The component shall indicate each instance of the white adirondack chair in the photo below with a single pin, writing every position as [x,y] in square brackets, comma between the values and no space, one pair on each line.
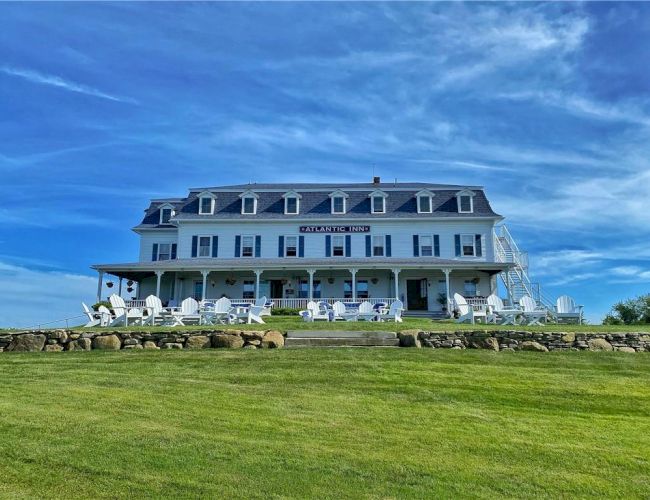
[497,312]
[366,312]
[339,310]
[222,312]
[265,304]
[468,312]
[533,314]
[122,315]
[394,312]
[106,316]
[158,314]
[317,311]
[566,309]
[98,318]
[251,315]
[187,313]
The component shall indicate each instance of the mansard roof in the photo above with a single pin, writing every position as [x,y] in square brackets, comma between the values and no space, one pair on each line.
[315,203]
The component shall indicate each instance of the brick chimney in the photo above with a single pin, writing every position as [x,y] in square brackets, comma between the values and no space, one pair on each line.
[376,180]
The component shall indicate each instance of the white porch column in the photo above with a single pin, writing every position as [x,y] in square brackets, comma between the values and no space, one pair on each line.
[447,272]
[119,288]
[396,274]
[353,272]
[158,280]
[205,283]
[311,283]
[100,282]
[258,273]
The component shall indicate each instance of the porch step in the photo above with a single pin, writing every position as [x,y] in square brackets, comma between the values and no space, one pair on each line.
[343,338]
[341,334]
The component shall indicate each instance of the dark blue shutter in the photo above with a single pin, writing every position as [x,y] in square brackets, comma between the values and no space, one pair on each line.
[280,246]
[301,246]
[457,241]
[258,246]
[195,245]
[368,246]
[416,245]
[388,246]
[237,245]
[215,246]
[436,245]
[154,252]
[173,255]
[348,245]
[479,250]
[328,245]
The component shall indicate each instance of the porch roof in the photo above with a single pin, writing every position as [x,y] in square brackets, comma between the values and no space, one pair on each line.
[139,270]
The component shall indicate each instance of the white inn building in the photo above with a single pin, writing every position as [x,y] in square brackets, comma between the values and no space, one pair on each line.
[418,242]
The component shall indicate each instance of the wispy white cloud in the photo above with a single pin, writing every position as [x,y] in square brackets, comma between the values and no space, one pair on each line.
[56,81]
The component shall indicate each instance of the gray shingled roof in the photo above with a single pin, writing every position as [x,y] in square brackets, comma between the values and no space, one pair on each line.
[315,202]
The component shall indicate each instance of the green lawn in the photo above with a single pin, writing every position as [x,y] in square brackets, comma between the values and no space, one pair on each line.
[324,423]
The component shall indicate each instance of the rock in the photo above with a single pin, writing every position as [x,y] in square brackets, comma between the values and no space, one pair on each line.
[171,345]
[599,345]
[53,348]
[227,340]
[625,349]
[107,342]
[531,345]
[27,342]
[250,346]
[485,343]
[79,345]
[569,337]
[133,346]
[130,341]
[197,342]
[409,338]
[150,345]
[255,342]
[273,340]
[60,335]
[252,335]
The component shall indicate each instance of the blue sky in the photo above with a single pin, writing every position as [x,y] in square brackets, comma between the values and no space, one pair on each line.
[103,106]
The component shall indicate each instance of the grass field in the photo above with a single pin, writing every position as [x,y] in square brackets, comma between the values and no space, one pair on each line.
[325,423]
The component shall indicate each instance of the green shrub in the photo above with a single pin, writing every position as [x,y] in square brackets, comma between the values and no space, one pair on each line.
[284,311]
[104,303]
[630,312]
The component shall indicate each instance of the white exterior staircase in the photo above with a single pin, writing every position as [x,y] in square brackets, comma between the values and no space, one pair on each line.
[516,280]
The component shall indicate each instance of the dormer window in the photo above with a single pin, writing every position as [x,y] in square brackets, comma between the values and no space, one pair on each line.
[424,201]
[166,214]
[206,203]
[249,203]
[291,203]
[338,202]
[378,202]
[465,201]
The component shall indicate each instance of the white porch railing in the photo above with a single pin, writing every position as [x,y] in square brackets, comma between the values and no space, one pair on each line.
[301,303]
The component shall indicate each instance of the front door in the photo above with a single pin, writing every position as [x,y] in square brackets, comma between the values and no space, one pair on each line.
[416,295]
[276,289]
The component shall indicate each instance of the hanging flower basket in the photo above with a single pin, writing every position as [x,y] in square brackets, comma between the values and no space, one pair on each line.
[109,284]
[129,283]
[130,289]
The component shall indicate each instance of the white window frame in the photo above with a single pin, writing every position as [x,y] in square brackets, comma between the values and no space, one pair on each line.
[333,210]
[462,245]
[373,209]
[201,198]
[171,213]
[420,239]
[243,205]
[241,247]
[198,246]
[383,245]
[462,194]
[286,245]
[420,211]
[334,236]
[169,251]
[286,205]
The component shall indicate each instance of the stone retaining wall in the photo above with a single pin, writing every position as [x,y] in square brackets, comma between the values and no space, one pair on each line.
[67,340]
[527,341]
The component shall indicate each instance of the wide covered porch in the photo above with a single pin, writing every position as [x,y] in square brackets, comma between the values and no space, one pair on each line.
[422,284]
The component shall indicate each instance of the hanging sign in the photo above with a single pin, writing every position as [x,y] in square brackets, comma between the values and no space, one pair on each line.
[334,229]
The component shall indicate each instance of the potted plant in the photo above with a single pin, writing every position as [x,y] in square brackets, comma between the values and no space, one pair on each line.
[442,300]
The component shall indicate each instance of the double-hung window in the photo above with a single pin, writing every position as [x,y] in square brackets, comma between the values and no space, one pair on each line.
[465,204]
[468,245]
[165,215]
[424,204]
[378,204]
[291,205]
[378,245]
[338,205]
[338,245]
[164,251]
[206,205]
[469,290]
[205,246]
[247,246]
[249,204]
[426,245]
[290,246]
[249,289]
[303,291]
